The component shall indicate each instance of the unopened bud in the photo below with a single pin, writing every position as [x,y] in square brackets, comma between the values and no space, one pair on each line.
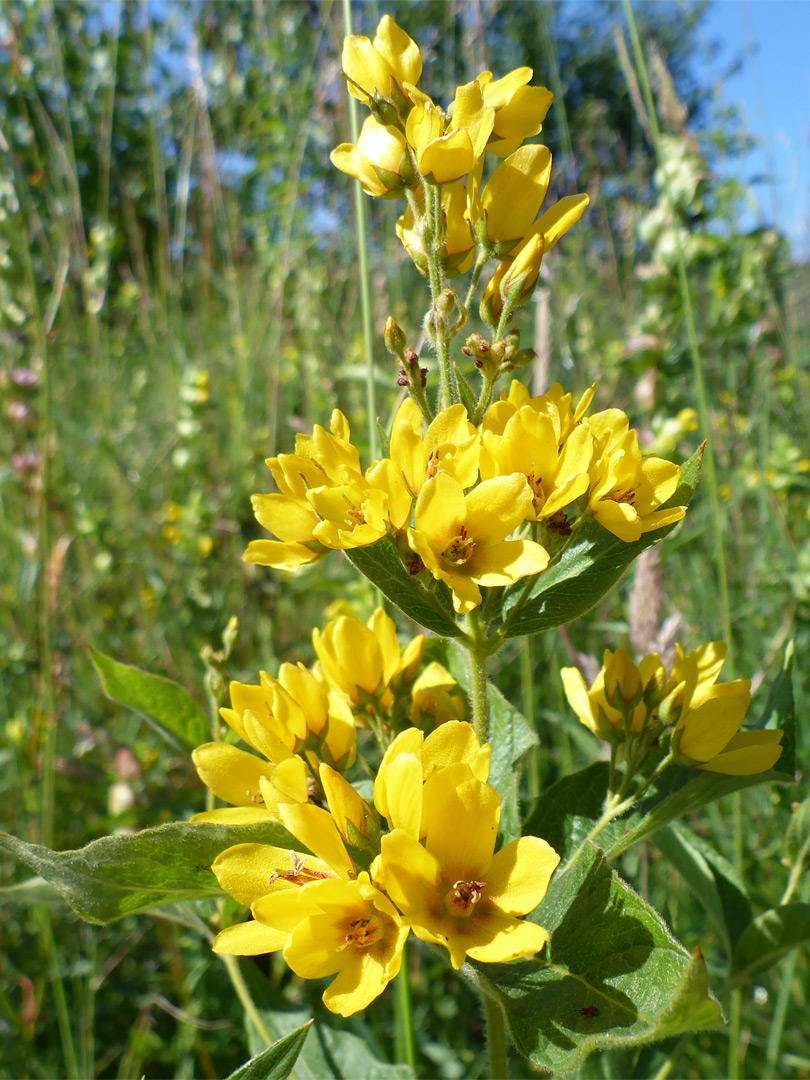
[384,110]
[394,337]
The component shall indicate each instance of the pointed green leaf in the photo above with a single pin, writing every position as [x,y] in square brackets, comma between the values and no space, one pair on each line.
[165,704]
[466,392]
[588,567]
[768,938]
[428,606]
[780,711]
[119,875]
[612,975]
[331,1052]
[277,1061]
[711,877]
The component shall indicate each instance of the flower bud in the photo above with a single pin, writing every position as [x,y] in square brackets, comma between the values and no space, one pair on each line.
[394,338]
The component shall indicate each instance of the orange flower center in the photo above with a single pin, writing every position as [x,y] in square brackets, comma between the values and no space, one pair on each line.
[360,933]
[463,897]
[459,550]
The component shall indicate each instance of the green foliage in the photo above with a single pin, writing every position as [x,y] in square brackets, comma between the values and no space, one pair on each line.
[611,975]
[164,703]
[713,879]
[119,875]
[429,607]
[768,938]
[277,1061]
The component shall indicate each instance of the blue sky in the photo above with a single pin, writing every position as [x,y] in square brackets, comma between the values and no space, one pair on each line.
[772,90]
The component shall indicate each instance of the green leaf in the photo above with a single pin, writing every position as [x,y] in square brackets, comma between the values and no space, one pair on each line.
[166,705]
[780,711]
[333,1051]
[768,938]
[591,564]
[430,607]
[797,838]
[712,879]
[466,392]
[511,737]
[691,794]
[566,812]
[277,1061]
[612,974]
[119,875]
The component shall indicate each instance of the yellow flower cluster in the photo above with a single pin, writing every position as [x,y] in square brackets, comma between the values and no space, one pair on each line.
[451,494]
[702,716]
[411,147]
[301,719]
[347,909]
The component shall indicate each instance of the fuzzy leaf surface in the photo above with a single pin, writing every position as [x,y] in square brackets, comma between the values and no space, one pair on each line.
[277,1061]
[592,563]
[165,704]
[381,564]
[119,875]
[612,975]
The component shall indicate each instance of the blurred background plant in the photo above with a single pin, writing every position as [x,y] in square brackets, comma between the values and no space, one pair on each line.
[179,295]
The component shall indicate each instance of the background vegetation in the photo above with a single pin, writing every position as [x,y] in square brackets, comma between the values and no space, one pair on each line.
[179,294]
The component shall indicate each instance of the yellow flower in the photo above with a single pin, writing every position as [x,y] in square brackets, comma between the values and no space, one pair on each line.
[455,891]
[345,928]
[321,459]
[458,245]
[616,703]
[446,149]
[627,490]
[382,66]
[519,109]
[435,698]
[451,444]
[710,715]
[356,821]
[462,538]
[412,760]
[555,403]
[516,279]
[297,713]
[380,160]
[505,211]
[529,445]
[366,661]
[255,789]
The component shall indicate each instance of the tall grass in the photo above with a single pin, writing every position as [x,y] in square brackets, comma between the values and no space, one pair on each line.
[166,374]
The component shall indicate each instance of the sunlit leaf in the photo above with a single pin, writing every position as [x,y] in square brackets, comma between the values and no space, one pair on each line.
[611,975]
[166,705]
[119,875]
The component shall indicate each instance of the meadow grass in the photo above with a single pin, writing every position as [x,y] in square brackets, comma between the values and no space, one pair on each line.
[151,406]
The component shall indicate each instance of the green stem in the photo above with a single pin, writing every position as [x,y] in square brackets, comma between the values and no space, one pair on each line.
[780,1012]
[477,662]
[362,254]
[48,945]
[496,1039]
[242,992]
[405,1043]
[480,263]
[437,323]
